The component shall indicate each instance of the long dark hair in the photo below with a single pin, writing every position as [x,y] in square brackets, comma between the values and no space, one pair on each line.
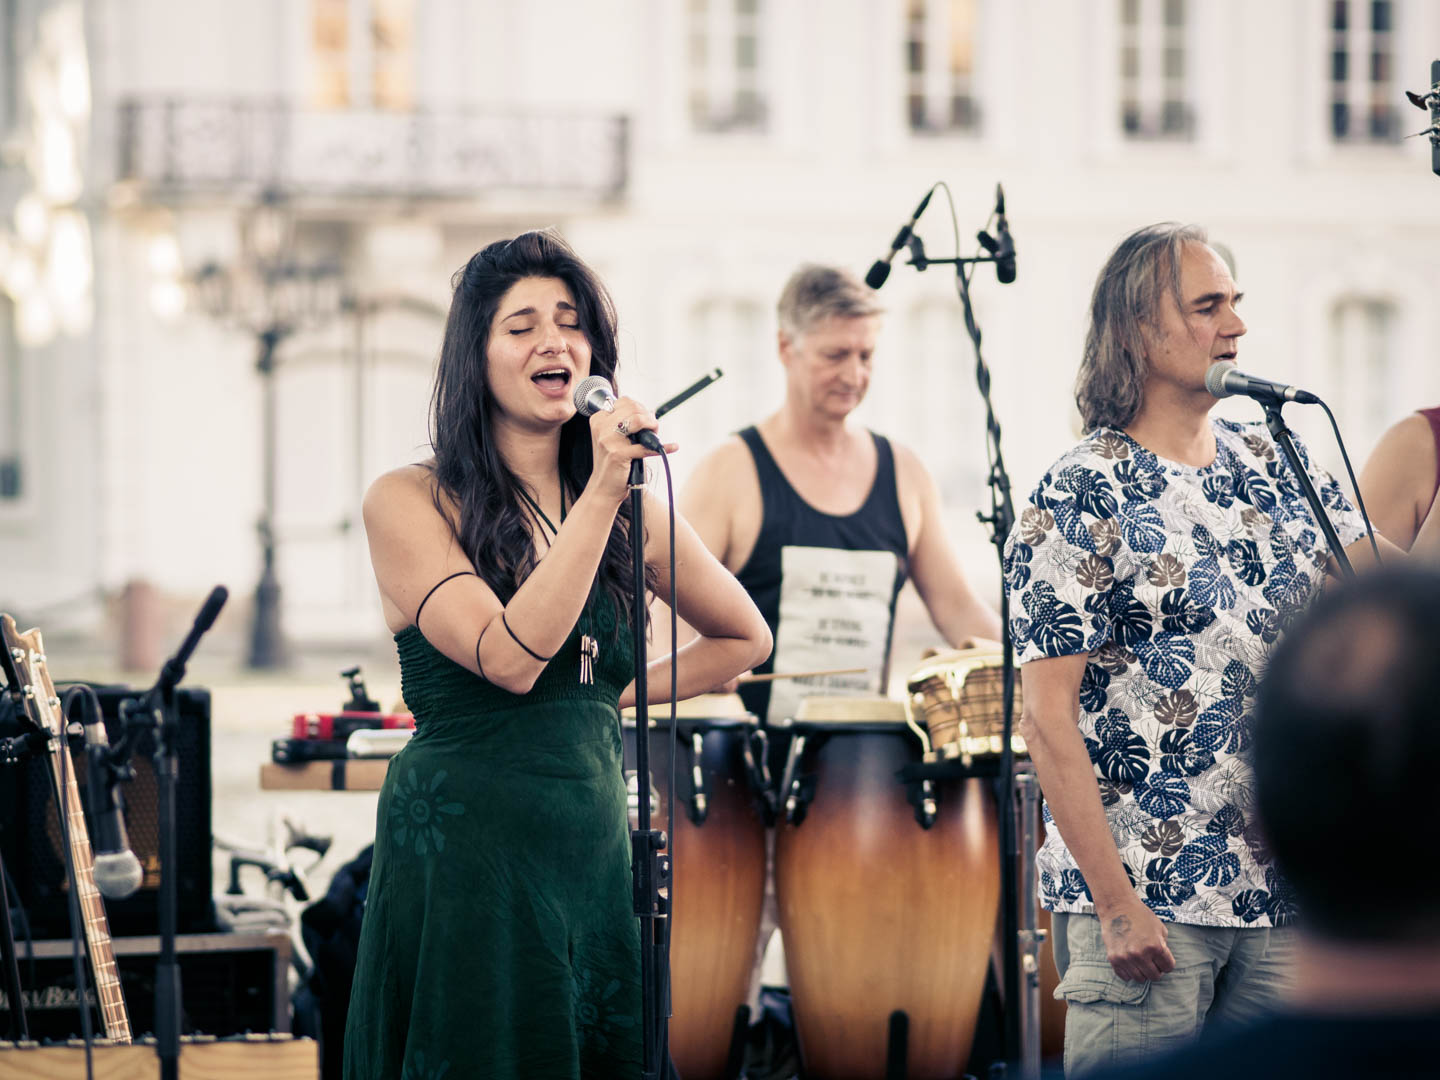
[494,525]
[1128,293]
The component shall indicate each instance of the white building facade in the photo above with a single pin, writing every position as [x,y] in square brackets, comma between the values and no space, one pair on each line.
[694,151]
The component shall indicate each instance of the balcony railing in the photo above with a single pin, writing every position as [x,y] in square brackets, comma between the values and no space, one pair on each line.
[179,146]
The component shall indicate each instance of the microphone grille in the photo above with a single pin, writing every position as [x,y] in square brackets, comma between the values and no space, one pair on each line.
[1215,378]
[117,874]
[585,404]
[877,274]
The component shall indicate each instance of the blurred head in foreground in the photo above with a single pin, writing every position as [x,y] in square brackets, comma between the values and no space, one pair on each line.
[1347,748]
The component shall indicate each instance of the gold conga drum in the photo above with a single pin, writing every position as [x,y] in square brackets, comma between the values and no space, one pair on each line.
[881,912]
[959,699]
[719,871]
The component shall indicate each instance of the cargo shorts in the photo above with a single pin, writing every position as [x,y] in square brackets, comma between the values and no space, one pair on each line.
[1222,975]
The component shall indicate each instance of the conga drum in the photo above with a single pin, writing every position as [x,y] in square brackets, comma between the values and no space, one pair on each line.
[958,697]
[887,899]
[718,869]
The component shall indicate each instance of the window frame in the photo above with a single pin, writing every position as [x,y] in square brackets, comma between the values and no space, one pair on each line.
[708,82]
[1152,36]
[1357,91]
[937,81]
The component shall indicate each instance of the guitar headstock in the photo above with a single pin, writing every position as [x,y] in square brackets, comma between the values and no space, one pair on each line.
[23,664]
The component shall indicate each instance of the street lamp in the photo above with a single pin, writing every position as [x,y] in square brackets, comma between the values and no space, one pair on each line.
[272,296]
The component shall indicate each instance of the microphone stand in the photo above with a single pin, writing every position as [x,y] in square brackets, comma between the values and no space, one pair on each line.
[1285,439]
[157,710]
[648,868]
[1020,1047]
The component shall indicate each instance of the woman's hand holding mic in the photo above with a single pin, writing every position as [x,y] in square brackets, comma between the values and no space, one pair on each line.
[621,431]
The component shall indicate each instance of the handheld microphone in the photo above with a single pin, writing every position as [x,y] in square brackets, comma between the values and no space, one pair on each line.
[117,871]
[1223,380]
[880,270]
[595,394]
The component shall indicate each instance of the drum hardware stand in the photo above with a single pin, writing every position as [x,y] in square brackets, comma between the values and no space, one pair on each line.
[699,797]
[926,807]
[792,784]
[1000,520]
[757,765]
[157,711]
[1031,937]
[897,1046]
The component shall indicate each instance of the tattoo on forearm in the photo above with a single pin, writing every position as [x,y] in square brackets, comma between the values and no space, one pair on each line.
[1120,925]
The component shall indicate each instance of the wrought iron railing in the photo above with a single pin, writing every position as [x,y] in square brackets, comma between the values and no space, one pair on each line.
[187,145]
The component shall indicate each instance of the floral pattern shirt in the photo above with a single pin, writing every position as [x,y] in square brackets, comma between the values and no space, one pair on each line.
[1176,581]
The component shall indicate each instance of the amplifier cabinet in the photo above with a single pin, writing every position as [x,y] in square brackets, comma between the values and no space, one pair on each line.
[229,984]
[30,829]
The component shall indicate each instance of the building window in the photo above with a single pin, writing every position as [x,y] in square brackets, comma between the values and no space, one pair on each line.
[1362,363]
[370,69]
[940,65]
[10,475]
[1154,102]
[727,59]
[1362,71]
[392,40]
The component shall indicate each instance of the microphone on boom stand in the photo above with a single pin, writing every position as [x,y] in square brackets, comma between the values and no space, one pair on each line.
[880,270]
[1002,244]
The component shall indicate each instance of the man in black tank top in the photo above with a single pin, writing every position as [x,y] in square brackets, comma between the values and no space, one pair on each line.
[823,521]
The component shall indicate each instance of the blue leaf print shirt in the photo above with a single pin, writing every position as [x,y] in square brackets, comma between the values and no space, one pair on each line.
[1177,582]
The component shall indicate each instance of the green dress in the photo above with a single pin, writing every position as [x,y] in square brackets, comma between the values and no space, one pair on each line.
[498,939]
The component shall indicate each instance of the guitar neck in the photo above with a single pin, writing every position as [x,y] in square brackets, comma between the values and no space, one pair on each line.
[92,910]
[23,668]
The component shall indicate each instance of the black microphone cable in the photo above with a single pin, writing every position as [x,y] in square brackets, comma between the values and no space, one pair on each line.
[1354,484]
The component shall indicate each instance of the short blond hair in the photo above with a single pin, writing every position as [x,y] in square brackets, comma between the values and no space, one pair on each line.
[816,292]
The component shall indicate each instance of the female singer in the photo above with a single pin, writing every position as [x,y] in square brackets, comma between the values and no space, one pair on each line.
[498,938]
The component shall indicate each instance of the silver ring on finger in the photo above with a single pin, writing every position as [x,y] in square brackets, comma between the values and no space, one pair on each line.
[623,427]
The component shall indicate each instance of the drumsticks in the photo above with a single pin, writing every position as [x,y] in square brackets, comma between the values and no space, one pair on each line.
[772,676]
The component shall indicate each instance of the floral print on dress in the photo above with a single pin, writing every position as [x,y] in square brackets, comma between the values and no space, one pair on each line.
[601,1011]
[418,812]
[417,1069]
[1176,582]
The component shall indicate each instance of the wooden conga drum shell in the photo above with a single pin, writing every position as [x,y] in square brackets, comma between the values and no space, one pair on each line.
[880,915]
[719,889]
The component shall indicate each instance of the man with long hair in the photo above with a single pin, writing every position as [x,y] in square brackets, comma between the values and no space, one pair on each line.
[1155,568]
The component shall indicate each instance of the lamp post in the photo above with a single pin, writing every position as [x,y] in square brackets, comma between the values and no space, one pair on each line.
[271,295]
